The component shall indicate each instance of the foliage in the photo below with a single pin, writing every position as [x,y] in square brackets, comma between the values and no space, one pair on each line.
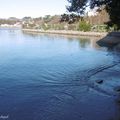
[111,6]
[8,21]
[70,18]
[89,23]
[84,26]
[77,6]
[47,18]
[99,28]
[52,27]
[112,28]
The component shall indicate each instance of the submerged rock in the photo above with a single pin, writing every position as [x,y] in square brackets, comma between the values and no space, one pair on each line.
[99,81]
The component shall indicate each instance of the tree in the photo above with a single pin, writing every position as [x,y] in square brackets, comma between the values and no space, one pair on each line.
[111,6]
[72,18]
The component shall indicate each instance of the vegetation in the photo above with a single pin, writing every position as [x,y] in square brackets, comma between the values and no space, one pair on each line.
[76,20]
[68,22]
[10,21]
[64,22]
[111,6]
[72,18]
[107,17]
[84,26]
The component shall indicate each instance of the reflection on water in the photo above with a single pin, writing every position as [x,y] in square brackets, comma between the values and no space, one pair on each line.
[45,77]
[84,42]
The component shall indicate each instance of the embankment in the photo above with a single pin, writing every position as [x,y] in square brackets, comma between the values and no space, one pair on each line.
[67,32]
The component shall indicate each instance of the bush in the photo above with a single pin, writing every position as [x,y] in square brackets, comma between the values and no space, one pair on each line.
[99,28]
[84,26]
[45,26]
[113,28]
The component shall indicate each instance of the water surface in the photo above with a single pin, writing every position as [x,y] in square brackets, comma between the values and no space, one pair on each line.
[46,77]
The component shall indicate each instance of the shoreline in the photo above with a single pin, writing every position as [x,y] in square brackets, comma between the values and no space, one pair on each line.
[67,32]
[16,28]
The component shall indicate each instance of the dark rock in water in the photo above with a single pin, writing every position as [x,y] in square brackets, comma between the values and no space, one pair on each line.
[117,47]
[111,40]
[118,100]
[117,89]
[99,81]
[117,34]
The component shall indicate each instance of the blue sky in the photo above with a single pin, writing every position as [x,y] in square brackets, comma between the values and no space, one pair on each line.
[33,8]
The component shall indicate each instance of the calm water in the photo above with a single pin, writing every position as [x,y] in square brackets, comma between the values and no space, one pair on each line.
[44,77]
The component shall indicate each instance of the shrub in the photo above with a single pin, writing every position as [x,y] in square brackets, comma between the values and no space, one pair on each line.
[99,28]
[84,26]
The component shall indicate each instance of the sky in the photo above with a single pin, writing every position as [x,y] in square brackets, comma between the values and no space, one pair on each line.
[33,8]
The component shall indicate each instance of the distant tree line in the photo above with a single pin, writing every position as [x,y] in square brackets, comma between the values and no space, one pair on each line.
[9,21]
